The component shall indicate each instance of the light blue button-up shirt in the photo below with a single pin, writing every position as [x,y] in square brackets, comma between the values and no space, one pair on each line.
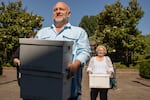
[81,48]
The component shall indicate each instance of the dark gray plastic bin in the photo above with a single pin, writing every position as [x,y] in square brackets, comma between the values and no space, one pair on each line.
[43,69]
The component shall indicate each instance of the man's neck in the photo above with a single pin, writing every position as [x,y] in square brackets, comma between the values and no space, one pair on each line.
[59,26]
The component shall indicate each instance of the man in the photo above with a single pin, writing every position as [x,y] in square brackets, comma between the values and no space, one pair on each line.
[63,30]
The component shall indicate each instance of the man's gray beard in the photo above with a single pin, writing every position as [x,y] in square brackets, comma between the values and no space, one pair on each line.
[62,21]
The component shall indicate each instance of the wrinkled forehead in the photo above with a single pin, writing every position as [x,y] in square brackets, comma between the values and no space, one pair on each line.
[100,48]
[61,5]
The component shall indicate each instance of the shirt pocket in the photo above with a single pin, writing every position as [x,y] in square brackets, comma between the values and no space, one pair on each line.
[70,38]
[44,37]
[74,47]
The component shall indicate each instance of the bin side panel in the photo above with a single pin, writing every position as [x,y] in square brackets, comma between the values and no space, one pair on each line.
[43,58]
[43,69]
[44,88]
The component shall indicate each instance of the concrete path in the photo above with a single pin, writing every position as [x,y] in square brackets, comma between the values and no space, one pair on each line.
[130,86]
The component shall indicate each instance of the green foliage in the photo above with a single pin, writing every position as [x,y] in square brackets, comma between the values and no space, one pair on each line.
[1,68]
[15,22]
[89,23]
[145,69]
[144,60]
[119,65]
[146,56]
[147,42]
[116,28]
[117,24]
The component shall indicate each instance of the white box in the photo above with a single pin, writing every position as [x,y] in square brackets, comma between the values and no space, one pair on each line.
[99,81]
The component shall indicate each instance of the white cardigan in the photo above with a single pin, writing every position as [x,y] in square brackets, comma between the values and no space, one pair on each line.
[100,67]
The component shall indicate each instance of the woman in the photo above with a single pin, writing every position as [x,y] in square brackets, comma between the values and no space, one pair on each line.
[100,64]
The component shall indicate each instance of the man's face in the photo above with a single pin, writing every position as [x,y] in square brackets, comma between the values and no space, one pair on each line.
[61,13]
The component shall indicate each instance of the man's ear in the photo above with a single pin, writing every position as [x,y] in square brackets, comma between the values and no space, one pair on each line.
[69,14]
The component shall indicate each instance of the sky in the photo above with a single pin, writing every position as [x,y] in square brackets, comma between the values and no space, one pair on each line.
[80,8]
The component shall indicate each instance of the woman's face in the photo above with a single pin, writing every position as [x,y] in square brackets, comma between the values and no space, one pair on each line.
[100,52]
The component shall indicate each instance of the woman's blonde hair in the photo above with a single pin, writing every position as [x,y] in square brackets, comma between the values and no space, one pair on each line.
[101,46]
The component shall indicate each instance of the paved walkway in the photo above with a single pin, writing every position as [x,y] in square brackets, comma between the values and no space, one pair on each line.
[130,86]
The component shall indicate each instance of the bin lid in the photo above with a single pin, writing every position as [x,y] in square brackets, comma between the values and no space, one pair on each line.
[32,41]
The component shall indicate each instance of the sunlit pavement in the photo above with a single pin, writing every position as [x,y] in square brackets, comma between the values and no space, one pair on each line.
[130,86]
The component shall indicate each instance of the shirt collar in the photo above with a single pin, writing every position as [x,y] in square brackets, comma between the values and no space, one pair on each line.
[67,26]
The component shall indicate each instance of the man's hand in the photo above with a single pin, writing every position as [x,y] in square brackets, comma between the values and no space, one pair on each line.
[89,72]
[74,67]
[16,61]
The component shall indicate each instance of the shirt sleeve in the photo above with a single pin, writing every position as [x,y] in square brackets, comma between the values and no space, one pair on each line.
[91,64]
[110,65]
[83,48]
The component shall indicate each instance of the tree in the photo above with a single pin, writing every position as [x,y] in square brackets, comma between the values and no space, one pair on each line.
[117,29]
[89,23]
[147,49]
[15,22]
